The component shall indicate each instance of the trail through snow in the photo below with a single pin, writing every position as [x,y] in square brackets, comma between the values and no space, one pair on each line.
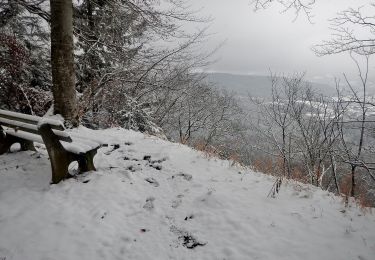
[152,199]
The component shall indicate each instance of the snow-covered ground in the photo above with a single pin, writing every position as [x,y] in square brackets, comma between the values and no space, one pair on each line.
[152,199]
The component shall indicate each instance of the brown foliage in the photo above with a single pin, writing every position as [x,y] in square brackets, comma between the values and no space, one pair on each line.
[266,165]
[211,151]
[15,91]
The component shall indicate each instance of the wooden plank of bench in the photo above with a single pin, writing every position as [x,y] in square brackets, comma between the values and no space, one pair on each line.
[79,146]
[14,127]
[29,119]
[19,125]
[25,135]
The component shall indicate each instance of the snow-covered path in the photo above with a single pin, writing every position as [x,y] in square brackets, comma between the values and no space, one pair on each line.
[152,199]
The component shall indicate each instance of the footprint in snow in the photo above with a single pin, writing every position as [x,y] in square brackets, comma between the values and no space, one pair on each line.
[126,158]
[176,203]
[149,205]
[156,164]
[114,147]
[191,216]
[148,158]
[185,176]
[134,168]
[104,215]
[152,181]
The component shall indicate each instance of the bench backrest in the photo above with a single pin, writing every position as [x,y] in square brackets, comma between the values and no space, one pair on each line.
[27,125]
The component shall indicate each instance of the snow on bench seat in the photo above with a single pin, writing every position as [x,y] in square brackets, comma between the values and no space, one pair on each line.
[76,146]
[86,137]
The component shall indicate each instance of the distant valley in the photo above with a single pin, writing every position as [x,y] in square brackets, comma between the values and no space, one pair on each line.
[254,85]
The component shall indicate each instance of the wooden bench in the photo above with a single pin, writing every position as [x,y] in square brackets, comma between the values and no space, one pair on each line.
[63,147]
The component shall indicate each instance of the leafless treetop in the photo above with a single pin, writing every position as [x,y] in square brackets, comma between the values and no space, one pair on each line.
[299,6]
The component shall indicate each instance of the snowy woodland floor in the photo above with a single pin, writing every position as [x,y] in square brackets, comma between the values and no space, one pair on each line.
[152,199]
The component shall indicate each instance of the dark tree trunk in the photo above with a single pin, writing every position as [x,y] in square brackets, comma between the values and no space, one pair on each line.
[63,77]
[353,183]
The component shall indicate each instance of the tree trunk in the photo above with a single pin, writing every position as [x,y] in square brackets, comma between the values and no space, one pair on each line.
[334,173]
[353,183]
[63,77]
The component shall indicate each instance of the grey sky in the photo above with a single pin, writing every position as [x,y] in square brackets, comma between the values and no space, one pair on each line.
[267,39]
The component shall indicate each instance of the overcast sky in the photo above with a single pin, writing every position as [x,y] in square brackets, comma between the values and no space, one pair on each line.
[268,39]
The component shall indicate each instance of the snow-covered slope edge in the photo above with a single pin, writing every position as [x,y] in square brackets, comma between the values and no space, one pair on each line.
[152,199]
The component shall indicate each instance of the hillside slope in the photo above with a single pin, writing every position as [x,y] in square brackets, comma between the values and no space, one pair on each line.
[152,199]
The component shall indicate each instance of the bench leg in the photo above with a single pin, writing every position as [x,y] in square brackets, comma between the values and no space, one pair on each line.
[86,161]
[26,145]
[59,157]
[6,141]
[60,161]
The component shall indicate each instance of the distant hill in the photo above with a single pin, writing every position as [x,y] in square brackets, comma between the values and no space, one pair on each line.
[257,86]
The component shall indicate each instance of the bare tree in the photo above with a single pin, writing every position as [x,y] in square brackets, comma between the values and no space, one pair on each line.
[352,31]
[300,126]
[198,113]
[356,123]
[304,6]
[276,116]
